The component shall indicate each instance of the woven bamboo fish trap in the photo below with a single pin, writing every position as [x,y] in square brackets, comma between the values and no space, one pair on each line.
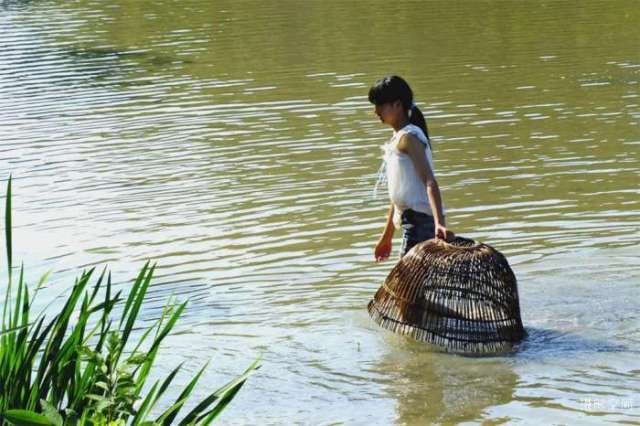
[459,295]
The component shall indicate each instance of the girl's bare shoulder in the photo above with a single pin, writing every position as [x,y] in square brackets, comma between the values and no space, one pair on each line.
[408,141]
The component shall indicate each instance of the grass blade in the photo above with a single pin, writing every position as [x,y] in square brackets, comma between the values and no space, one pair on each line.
[135,307]
[7,228]
[7,233]
[226,399]
[145,406]
[169,415]
[134,290]
[226,393]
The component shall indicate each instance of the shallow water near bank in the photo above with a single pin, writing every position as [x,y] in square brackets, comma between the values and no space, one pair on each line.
[232,142]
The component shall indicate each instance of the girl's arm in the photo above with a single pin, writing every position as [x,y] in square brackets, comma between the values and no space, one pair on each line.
[383,247]
[411,146]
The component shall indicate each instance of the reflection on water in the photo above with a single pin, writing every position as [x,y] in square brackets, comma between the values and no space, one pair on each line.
[438,388]
[233,143]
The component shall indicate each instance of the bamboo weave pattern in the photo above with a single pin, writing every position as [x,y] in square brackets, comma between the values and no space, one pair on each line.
[459,295]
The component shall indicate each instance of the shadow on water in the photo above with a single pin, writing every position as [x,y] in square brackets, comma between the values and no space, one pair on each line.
[146,57]
[541,343]
[120,67]
[15,4]
[104,52]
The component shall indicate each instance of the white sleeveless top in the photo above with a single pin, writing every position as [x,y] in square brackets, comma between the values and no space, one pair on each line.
[406,189]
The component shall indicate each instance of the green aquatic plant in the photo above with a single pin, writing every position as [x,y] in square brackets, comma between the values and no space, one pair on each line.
[84,365]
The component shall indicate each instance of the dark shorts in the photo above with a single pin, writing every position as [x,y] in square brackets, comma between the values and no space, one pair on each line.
[416,228]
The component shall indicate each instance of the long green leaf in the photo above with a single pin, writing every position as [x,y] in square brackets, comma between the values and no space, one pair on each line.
[18,301]
[8,227]
[135,308]
[7,233]
[41,282]
[13,329]
[226,399]
[226,393]
[146,405]
[170,414]
[47,368]
[152,352]
[199,409]
[168,327]
[26,418]
[167,381]
[134,290]
[25,306]
[97,285]
[24,372]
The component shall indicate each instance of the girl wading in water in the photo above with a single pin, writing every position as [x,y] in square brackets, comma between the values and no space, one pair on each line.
[416,204]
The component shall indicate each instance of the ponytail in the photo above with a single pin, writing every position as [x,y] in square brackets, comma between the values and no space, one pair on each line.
[417,119]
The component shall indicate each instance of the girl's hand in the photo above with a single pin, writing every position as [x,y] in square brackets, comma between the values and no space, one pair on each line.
[444,233]
[382,250]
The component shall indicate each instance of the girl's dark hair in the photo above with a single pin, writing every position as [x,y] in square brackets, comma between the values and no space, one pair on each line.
[394,88]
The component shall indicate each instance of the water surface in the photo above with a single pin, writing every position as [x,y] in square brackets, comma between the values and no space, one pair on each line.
[232,142]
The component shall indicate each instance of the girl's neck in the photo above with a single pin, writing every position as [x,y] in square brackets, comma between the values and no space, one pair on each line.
[400,124]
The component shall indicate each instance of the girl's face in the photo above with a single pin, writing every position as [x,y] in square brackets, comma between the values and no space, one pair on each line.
[390,112]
